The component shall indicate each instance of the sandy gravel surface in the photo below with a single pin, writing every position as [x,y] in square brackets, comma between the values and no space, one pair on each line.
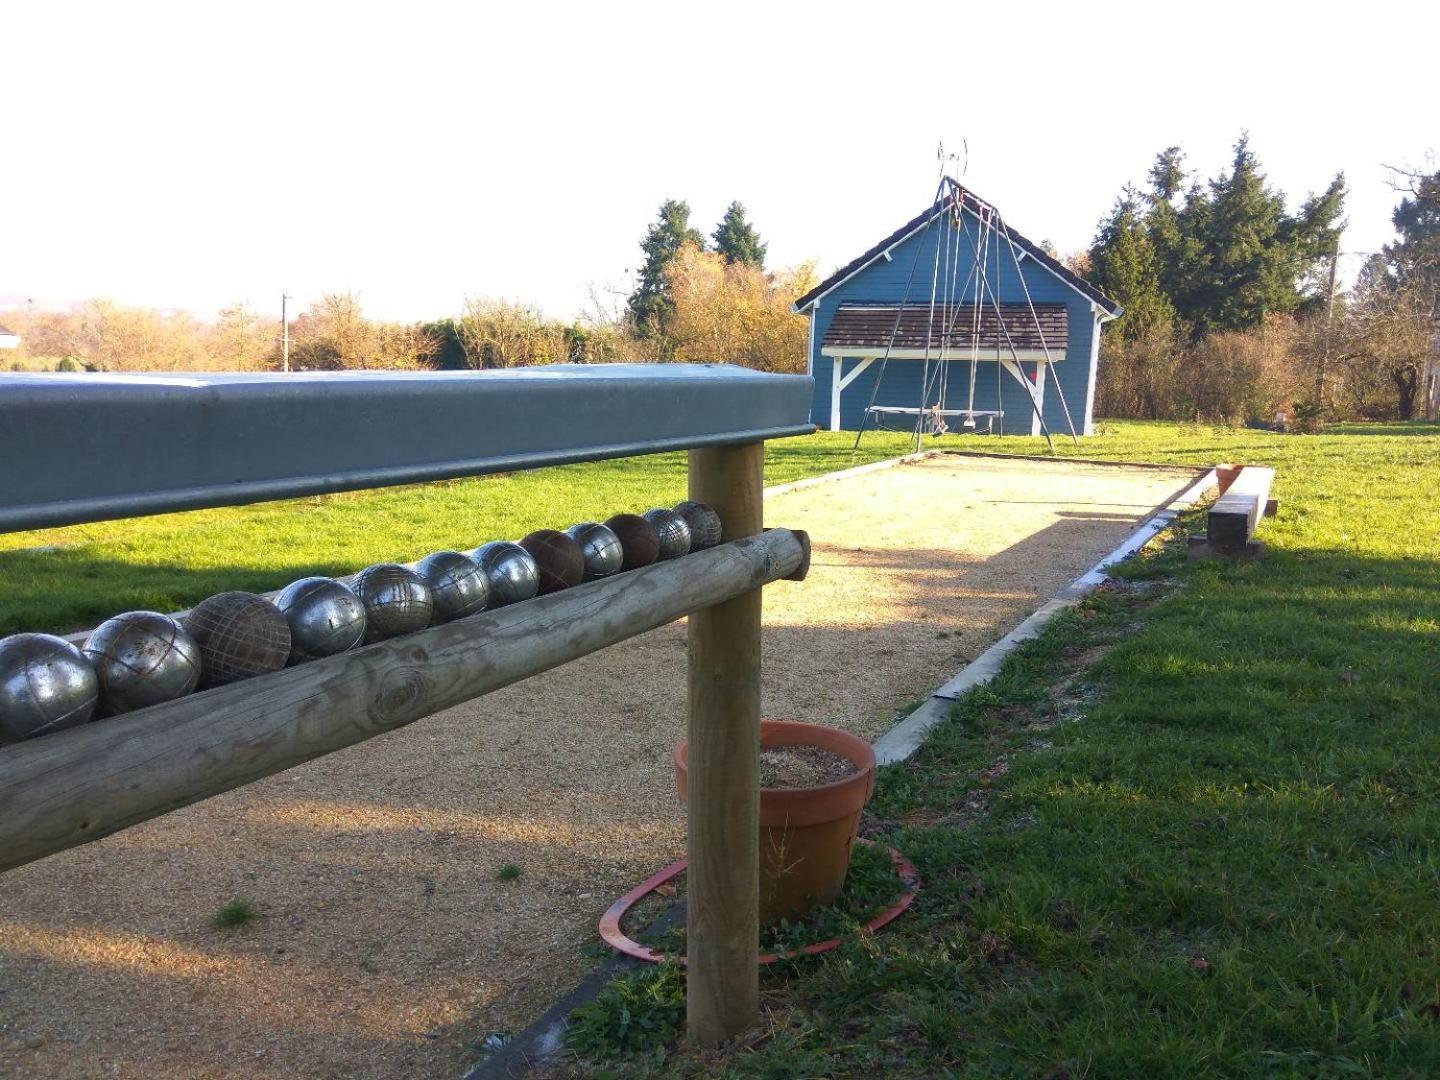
[384,944]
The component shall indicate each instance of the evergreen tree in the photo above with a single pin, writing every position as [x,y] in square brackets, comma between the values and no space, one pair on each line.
[650,304]
[1414,258]
[737,240]
[1173,250]
[1255,256]
[1167,175]
[1125,264]
[1225,253]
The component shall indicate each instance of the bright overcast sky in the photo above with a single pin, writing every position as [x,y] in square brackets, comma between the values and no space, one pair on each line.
[198,154]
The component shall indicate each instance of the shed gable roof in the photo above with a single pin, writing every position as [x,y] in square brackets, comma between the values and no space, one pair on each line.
[952,330]
[968,201]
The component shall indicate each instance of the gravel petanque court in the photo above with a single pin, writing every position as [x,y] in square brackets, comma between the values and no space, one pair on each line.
[384,944]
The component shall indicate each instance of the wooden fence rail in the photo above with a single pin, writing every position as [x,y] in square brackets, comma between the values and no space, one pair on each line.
[76,786]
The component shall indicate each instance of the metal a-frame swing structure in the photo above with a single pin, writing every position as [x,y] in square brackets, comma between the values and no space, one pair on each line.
[953,321]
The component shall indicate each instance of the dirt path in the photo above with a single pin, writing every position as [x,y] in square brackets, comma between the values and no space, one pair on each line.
[385,945]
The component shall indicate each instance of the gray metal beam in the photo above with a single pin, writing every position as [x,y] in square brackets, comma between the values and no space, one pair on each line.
[90,447]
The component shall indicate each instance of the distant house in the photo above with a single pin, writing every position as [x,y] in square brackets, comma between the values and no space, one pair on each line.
[960,313]
[8,338]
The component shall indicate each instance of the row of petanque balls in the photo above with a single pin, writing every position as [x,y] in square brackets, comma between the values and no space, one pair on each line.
[142,658]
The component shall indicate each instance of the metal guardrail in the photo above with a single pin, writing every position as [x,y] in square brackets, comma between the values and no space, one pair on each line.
[91,447]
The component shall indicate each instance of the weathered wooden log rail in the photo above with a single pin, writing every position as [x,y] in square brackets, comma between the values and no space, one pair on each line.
[79,785]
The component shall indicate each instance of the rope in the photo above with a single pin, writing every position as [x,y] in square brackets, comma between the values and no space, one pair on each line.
[975,322]
[1041,331]
[895,329]
[940,379]
[1009,342]
[929,324]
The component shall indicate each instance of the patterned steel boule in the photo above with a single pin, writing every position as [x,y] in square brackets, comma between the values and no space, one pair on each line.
[45,685]
[674,533]
[142,658]
[325,618]
[601,548]
[512,573]
[240,635]
[397,600]
[457,585]
[704,522]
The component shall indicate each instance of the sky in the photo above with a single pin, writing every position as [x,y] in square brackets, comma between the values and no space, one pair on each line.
[201,154]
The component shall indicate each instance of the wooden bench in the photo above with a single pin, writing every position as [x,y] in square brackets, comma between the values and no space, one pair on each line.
[1230,525]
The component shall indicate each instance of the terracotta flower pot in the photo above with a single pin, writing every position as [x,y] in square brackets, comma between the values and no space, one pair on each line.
[805,833]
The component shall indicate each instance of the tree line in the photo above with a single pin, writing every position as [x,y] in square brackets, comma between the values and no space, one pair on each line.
[695,299]
[1232,309]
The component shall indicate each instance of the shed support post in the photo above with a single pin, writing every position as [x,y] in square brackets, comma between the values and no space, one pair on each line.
[722,932]
[837,363]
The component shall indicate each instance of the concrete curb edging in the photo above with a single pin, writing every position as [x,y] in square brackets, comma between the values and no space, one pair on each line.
[902,741]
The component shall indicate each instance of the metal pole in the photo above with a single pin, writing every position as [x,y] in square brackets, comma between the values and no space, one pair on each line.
[723,891]
[1329,322]
[285,331]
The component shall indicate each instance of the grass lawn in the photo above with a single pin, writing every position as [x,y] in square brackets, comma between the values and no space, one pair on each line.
[1188,831]
[86,573]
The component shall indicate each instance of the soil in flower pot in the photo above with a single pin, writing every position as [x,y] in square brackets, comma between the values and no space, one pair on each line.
[815,781]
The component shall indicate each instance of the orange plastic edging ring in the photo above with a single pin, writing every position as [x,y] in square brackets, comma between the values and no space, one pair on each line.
[621,942]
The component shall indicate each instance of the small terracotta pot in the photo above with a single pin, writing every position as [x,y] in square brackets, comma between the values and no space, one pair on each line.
[806,834]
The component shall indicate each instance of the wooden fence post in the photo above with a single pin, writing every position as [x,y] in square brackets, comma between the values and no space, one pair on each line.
[723,888]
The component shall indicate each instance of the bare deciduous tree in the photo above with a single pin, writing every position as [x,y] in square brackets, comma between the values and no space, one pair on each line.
[333,334]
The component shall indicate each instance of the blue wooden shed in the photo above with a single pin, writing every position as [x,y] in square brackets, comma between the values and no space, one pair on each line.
[956,314]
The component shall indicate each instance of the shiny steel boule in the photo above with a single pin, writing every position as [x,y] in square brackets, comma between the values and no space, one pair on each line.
[601,547]
[240,635]
[704,522]
[511,571]
[673,531]
[325,618]
[45,685]
[397,600]
[457,586]
[142,658]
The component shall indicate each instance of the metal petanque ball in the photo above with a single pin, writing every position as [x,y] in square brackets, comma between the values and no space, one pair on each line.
[397,600]
[511,571]
[558,559]
[457,586]
[600,547]
[142,658]
[325,618]
[45,685]
[705,526]
[672,530]
[638,540]
[240,635]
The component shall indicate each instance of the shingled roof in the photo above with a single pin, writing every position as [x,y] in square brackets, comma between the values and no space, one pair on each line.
[955,194]
[868,328]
